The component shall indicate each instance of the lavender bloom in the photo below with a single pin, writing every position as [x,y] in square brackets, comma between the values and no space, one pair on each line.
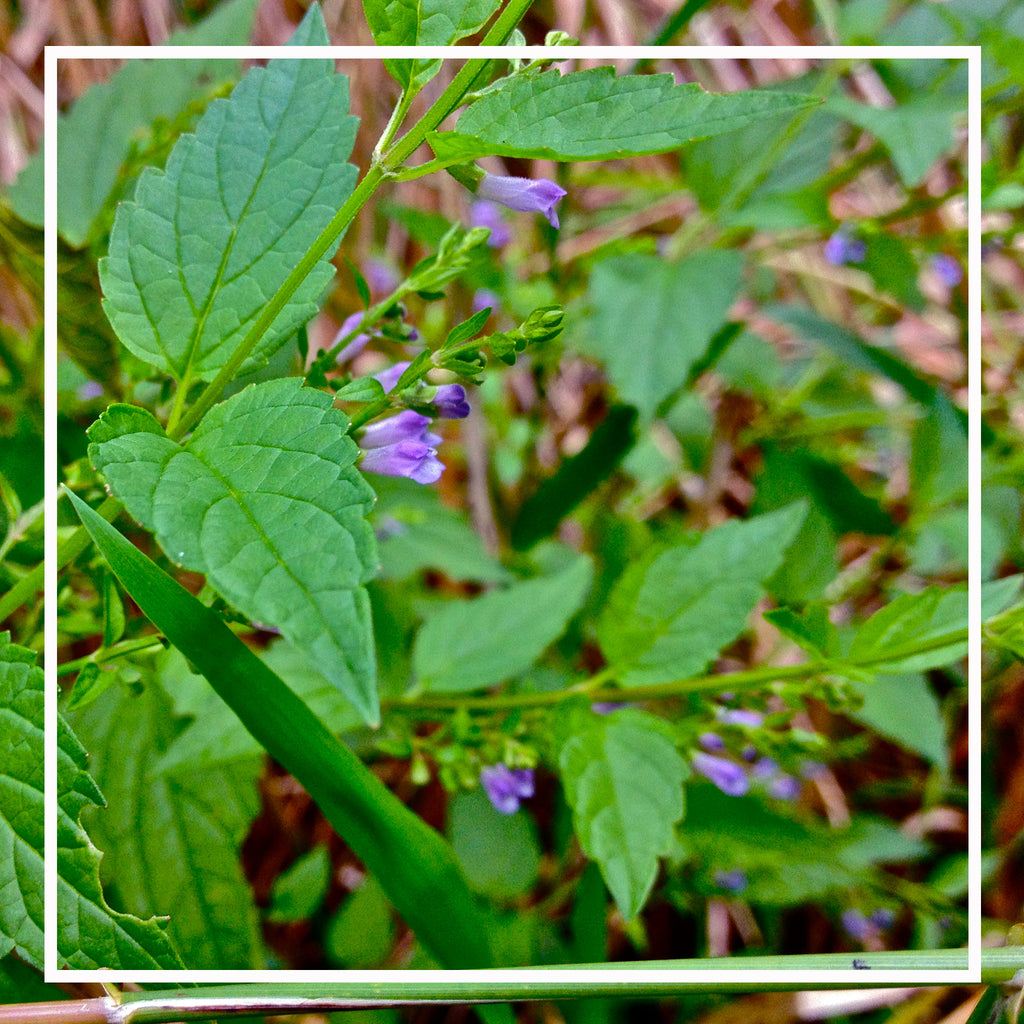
[389,378]
[484,297]
[450,402]
[734,880]
[785,787]
[856,925]
[606,707]
[737,716]
[728,777]
[711,741]
[505,786]
[89,390]
[765,768]
[486,215]
[947,270]
[842,248]
[882,918]
[523,194]
[401,446]
[379,276]
[356,345]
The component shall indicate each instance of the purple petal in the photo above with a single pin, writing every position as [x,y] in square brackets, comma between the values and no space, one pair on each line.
[505,786]
[727,776]
[948,271]
[737,716]
[524,194]
[356,345]
[785,787]
[486,215]
[389,378]
[406,426]
[412,459]
[711,741]
[450,402]
[734,880]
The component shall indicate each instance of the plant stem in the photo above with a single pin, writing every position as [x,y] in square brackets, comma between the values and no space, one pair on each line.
[999,966]
[750,679]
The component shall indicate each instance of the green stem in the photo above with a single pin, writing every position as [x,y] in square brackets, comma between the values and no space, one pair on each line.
[750,679]
[105,655]
[614,980]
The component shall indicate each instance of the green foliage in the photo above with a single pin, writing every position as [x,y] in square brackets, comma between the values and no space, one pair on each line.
[675,308]
[183,299]
[550,116]
[623,778]
[673,610]
[265,500]
[424,23]
[299,891]
[468,645]
[171,842]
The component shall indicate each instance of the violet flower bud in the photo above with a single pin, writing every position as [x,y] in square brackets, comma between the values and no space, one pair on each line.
[450,402]
[356,345]
[524,194]
[379,276]
[484,297]
[606,707]
[486,215]
[734,880]
[784,787]
[728,777]
[947,270]
[711,741]
[843,248]
[389,378]
[406,426]
[738,716]
[856,925]
[506,787]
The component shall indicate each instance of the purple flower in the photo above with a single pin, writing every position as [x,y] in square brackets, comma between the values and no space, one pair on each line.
[486,215]
[734,880]
[882,918]
[450,402]
[401,446]
[765,768]
[857,926]
[737,716]
[843,248]
[379,276]
[484,297]
[356,345]
[728,777]
[389,378]
[813,770]
[784,787]
[523,194]
[711,741]
[89,390]
[505,786]
[606,707]
[947,270]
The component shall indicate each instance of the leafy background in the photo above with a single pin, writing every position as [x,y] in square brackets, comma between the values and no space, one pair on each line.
[610,203]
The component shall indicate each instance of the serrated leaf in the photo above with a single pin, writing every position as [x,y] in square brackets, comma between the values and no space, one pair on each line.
[934,619]
[652,319]
[265,500]
[171,844]
[202,246]
[552,116]
[671,613]
[468,645]
[623,778]
[425,22]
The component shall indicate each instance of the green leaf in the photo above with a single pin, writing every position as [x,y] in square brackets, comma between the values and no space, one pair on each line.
[361,933]
[916,133]
[414,865]
[915,632]
[500,853]
[905,709]
[298,892]
[652,320]
[21,802]
[468,645]
[552,116]
[265,500]
[812,631]
[425,22]
[623,778]
[171,843]
[669,614]
[196,253]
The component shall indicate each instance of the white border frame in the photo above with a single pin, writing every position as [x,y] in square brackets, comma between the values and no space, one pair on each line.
[797,978]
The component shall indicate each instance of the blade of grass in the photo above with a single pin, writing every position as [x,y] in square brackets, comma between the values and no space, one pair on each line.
[415,866]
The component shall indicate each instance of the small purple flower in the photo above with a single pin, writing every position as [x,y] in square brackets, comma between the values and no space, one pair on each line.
[379,276]
[450,402]
[486,215]
[764,768]
[606,707]
[524,194]
[401,446]
[733,881]
[738,716]
[882,918]
[356,345]
[857,926]
[728,777]
[484,297]
[711,741]
[947,270]
[505,786]
[843,248]
[389,378]
[784,787]
[89,390]
[749,753]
